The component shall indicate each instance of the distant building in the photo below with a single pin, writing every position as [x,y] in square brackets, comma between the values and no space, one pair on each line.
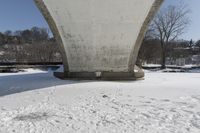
[196,59]
[180,62]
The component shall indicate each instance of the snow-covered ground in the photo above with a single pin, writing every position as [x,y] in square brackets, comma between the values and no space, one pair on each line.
[158,65]
[36,102]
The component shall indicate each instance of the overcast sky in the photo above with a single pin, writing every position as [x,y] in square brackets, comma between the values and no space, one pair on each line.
[23,14]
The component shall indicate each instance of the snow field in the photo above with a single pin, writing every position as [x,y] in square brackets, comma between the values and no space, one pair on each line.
[38,102]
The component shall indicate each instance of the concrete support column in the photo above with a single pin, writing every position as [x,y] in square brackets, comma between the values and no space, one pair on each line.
[99,39]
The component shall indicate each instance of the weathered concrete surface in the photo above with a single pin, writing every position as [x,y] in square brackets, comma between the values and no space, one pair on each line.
[99,35]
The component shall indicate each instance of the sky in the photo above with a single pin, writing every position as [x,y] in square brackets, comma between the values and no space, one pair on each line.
[193,30]
[23,14]
[19,15]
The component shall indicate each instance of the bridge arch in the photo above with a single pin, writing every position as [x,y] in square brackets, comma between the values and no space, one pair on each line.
[99,39]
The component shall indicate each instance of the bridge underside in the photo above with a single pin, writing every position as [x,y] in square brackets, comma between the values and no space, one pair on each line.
[99,39]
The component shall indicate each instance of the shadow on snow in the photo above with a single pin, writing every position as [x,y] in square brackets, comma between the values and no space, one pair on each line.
[11,84]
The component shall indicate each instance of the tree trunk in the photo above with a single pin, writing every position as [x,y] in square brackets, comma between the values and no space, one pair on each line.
[163,62]
[163,66]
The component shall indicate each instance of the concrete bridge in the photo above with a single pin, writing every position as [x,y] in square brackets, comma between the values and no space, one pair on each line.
[99,39]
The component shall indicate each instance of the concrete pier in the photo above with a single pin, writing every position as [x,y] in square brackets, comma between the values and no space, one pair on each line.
[99,39]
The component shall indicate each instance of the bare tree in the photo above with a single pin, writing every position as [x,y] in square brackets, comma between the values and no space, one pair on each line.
[168,25]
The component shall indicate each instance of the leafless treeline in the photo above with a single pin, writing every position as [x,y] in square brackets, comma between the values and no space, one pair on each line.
[31,45]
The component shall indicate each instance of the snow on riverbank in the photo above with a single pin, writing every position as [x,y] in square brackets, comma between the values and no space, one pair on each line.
[35,102]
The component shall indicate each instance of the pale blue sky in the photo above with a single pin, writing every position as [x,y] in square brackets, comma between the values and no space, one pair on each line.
[19,15]
[193,31]
[23,14]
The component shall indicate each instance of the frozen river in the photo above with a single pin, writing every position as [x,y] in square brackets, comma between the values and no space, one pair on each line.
[35,102]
